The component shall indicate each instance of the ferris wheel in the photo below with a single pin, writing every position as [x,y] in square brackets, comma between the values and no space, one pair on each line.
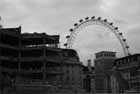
[96,21]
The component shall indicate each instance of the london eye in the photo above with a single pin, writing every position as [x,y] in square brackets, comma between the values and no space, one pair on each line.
[96,21]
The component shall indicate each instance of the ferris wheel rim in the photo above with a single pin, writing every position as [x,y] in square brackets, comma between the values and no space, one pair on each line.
[99,21]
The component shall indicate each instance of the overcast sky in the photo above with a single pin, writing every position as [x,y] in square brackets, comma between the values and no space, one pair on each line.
[58,16]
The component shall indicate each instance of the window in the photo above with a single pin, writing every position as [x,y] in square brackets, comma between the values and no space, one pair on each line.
[135,58]
[134,73]
[67,71]
[118,63]
[67,79]
[128,60]
[124,61]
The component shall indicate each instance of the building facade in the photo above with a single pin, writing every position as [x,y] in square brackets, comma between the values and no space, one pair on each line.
[89,78]
[127,69]
[36,57]
[103,63]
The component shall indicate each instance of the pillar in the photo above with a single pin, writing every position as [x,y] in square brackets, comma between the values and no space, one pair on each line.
[19,54]
[44,60]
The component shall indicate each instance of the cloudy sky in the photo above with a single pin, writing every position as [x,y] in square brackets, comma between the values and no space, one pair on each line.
[58,16]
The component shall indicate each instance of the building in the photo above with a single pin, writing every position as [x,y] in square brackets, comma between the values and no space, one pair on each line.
[126,77]
[103,63]
[89,78]
[28,58]
[117,75]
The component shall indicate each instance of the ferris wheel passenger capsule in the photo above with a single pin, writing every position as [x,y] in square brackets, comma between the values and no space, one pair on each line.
[75,24]
[71,30]
[127,46]
[116,28]
[120,33]
[105,20]
[81,20]
[86,18]
[124,40]
[99,18]
[111,24]
[93,17]
[67,36]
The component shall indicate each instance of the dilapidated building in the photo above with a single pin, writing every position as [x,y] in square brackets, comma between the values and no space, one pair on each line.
[27,58]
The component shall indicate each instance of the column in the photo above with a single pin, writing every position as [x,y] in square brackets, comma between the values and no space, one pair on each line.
[44,60]
[19,55]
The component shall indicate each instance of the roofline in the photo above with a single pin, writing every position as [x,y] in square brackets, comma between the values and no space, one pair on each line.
[105,51]
[137,54]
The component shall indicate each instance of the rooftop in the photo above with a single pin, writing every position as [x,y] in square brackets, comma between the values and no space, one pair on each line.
[125,57]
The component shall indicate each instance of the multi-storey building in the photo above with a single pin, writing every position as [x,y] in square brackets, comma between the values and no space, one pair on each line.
[117,75]
[126,75]
[103,63]
[9,54]
[36,57]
